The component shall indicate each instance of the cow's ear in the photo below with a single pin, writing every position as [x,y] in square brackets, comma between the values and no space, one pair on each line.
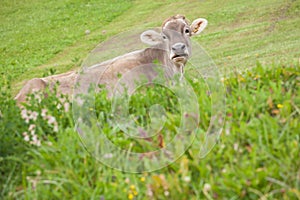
[198,25]
[151,37]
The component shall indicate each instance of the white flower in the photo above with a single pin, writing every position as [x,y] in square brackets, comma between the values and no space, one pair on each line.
[51,120]
[38,143]
[55,128]
[58,106]
[49,143]
[26,138]
[235,146]
[38,97]
[67,106]
[34,138]
[187,179]
[33,115]
[31,127]
[206,187]
[149,193]
[127,180]
[24,113]
[44,112]
[166,193]
[227,131]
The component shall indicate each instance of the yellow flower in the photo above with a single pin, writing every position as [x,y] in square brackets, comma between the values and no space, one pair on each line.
[130,196]
[142,179]
[135,193]
[132,187]
[279,106]
[256,77]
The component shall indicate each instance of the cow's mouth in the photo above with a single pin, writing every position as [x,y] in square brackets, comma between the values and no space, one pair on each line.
[179,57]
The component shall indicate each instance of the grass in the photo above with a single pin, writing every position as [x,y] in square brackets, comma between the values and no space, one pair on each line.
[254,44]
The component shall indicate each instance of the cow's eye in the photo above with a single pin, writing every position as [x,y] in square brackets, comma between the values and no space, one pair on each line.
[187,31]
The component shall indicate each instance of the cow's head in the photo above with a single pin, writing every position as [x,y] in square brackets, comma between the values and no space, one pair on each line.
[175,37]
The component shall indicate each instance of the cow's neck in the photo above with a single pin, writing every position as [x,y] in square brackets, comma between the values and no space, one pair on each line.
[156,54]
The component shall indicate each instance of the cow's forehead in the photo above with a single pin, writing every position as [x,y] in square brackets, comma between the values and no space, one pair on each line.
[175,23]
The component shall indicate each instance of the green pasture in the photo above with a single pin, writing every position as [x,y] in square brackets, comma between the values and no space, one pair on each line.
[255,45]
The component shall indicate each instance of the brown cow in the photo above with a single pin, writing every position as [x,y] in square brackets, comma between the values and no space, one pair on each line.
[171,48]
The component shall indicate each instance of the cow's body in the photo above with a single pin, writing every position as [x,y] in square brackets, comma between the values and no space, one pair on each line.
[171,49]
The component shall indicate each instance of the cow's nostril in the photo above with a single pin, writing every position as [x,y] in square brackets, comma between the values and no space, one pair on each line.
[178,47]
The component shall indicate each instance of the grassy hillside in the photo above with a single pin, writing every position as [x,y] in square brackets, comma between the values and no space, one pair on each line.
[38,36]
[255,44]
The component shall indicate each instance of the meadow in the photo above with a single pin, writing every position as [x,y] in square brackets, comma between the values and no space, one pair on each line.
[255,45]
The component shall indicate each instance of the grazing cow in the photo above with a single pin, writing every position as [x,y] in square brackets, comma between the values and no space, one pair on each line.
[171,48]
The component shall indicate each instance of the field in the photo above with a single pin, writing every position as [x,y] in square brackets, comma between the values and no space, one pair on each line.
[255,45]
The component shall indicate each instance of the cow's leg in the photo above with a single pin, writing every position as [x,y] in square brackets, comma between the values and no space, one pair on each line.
[33,85]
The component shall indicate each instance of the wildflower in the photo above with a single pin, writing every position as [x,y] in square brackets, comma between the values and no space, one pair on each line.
[256,77]
[206,187]
[25,116]
[26,136]
[127,180]
[279,106]
[187,179]
[227,131]
[33,115]
[55,128]
[24,113]
[166,193]
[142,179]
[38,97]
[31,127]
[66,106]
[195,80]
[241,78]
[150,193]
[51,120]
[235,146]
[34,138]
[38,172]
[132,187]
[35,141]
[130,196]
[38,143]
[44,112]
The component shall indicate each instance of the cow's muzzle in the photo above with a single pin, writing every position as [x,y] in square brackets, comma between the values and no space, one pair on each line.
[179,53]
